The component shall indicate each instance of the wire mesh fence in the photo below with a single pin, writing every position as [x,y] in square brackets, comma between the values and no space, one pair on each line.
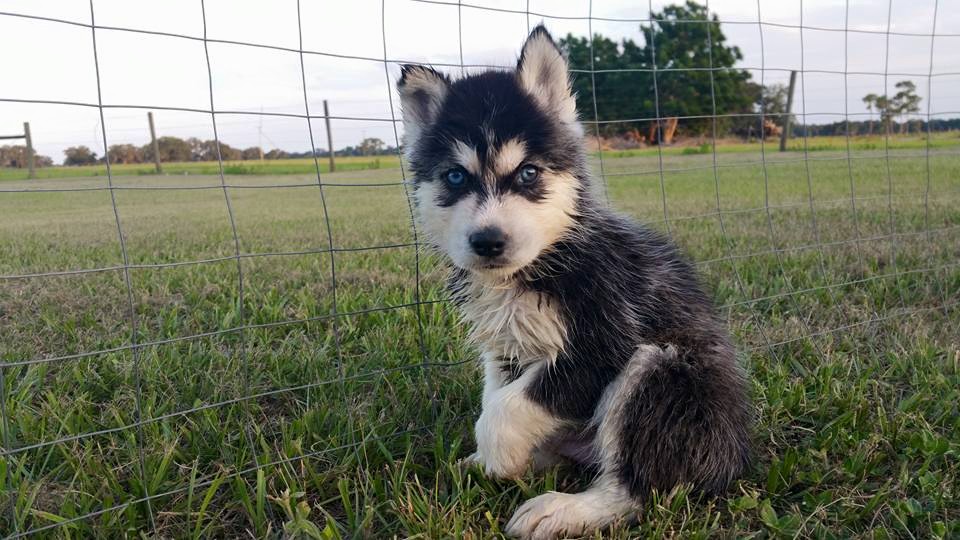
[225,334]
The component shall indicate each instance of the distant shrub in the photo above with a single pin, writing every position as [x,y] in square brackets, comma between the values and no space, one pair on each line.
[702,149]
[237,169]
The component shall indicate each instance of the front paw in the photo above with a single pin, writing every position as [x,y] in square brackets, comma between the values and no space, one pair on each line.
[473,460]
[545,518]
[502,452]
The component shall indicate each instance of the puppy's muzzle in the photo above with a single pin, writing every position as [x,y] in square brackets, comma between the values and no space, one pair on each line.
[488,242]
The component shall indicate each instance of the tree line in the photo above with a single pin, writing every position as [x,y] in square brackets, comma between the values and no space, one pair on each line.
[174,149]
[870,127]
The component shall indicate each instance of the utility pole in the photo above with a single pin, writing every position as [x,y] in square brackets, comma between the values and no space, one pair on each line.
[154,144]
[31,173]
[326,118]
[786,118]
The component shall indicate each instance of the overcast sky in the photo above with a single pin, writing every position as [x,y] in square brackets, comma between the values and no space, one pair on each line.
[54,61]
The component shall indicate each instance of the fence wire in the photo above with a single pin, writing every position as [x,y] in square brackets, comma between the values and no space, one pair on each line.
[24,455]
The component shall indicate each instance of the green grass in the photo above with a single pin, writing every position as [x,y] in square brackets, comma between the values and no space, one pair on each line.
[849,331]
[280,166]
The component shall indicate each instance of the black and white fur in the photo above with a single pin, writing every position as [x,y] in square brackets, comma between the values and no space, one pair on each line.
[598,343]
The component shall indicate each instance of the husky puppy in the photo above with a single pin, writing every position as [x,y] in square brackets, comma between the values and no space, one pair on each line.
[597,342]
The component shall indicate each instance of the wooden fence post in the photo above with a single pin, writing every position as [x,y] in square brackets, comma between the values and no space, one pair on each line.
[326,119]
[153,143]
[786,117]
[31,160]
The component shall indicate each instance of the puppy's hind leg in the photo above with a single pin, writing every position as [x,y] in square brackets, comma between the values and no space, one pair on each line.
[685,419]
[668,419]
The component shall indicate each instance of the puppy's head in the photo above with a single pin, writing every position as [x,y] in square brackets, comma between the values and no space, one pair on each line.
[497,158]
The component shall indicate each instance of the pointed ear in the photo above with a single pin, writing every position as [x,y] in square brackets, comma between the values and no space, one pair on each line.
[422,91]
[543,72]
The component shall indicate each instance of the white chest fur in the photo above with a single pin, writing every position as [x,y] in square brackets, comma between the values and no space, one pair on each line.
[511,323]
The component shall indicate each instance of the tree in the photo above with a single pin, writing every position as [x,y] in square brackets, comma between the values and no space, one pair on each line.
[774,109]
[774,102]
[883,105]
[906,101]
[124,153]
[207,151]
[171,149]
[254,152]
[680,46]
[618,92]
[870,100]
[229,153]
[197,149]
[276,153]
[682,53]
[79,155]
[16,156]
[371,146]
[771,101]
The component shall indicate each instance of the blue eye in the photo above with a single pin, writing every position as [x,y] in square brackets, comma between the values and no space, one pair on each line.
[528,175]
[455,177]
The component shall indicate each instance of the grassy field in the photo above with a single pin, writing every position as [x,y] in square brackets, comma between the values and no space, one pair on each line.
[248,414]
[250,167]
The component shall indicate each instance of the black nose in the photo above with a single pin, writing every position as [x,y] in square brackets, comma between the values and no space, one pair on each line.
[488,242]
